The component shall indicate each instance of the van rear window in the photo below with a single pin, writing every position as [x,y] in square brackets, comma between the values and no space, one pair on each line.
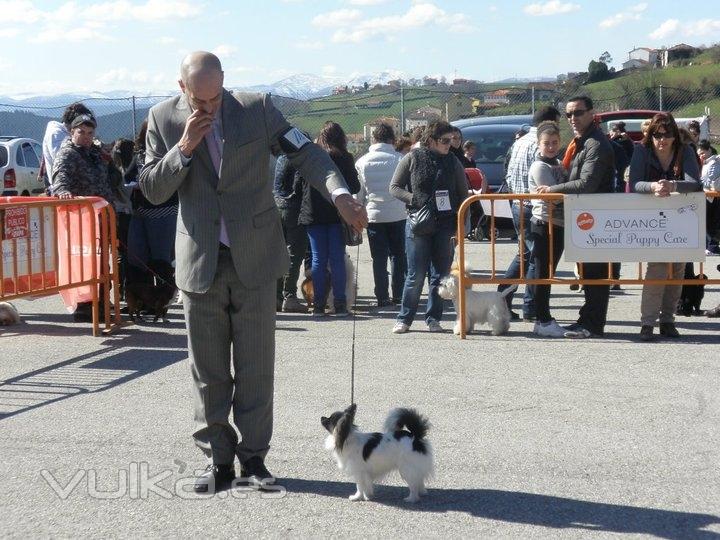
[3,156]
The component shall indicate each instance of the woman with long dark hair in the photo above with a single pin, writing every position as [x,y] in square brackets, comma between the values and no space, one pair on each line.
[429,176]
[324,228]
[662,165]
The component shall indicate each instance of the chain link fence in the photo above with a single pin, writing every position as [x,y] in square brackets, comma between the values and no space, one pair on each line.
[359,110]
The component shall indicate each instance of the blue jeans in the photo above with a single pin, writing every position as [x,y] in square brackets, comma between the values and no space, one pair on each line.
[151,239]
[513,271]
[436,252]
[328,247]
[387,240]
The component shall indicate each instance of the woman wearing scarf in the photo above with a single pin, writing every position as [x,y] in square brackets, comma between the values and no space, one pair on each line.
[429,175]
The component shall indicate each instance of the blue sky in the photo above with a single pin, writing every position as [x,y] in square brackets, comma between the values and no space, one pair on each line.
[50,47]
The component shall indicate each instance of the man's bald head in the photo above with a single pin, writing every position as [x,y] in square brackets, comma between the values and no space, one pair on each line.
[201,80]
[199,64]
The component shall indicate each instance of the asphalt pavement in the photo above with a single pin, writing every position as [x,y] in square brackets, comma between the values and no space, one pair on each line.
[541,438]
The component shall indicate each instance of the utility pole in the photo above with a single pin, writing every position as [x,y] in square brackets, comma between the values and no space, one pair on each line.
[661,99]
[134,120]
[533,100]
[402,109]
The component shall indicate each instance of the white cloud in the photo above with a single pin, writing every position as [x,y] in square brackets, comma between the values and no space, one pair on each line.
[553,7]
[633,13]
[703,27]
[53,34]
[673,28]
[367,2]
[333,19]
[665,30]
[76,23]
[419,15]
[19,11]
[329,70]
[224,51]
[8,32]
[166,40]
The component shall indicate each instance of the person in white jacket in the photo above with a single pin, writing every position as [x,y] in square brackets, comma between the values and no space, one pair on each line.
[386,214]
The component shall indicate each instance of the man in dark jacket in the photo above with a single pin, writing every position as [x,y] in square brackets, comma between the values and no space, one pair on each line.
[591,166]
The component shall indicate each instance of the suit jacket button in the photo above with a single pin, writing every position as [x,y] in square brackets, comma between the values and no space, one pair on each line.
[221,193]
[216,222]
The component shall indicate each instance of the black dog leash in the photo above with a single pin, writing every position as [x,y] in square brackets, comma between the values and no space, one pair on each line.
[354,316]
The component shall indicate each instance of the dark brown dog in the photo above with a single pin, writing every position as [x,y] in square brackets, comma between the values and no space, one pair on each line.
[149,297]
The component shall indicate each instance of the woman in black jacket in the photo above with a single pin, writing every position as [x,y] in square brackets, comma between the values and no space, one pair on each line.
[324,228]
[430,175]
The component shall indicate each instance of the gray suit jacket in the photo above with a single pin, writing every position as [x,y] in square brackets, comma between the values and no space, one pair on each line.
[241,193]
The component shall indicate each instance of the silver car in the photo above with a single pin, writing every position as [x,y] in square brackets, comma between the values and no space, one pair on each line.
[20,160]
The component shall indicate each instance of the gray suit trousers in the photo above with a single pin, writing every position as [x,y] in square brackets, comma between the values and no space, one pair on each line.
[229,313]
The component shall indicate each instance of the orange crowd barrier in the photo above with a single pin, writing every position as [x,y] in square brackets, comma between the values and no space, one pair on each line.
[64,246]
[496,276]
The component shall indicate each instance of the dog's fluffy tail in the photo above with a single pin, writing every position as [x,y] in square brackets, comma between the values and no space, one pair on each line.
[510,289]
[417,424]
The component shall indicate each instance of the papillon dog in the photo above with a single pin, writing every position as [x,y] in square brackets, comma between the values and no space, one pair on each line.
[368,457]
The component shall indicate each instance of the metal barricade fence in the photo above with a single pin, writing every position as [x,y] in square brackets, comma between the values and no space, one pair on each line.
[59,246]
[496,278]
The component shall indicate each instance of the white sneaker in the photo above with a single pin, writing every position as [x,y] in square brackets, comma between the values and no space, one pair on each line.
[400,328]
[549,329]
[434,326]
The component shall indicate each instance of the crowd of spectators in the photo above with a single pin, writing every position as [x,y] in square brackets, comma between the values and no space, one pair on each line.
[401,175]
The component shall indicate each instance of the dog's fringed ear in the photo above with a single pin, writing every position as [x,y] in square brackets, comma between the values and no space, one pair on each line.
[344,426]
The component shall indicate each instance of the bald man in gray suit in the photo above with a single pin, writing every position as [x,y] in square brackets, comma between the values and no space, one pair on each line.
[213,148]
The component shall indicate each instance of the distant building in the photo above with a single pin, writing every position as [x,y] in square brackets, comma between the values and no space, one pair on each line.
[677,52]
[635,63]
[505,96]
[458,106]
[422,117]
[340,90]
[430,81]
[390,120]
[650,56]
[397,83]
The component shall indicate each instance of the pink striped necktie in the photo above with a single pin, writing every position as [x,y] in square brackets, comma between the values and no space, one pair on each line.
[213,144]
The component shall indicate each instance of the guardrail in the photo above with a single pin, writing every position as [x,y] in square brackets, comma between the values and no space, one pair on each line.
[64,246]
[497,278]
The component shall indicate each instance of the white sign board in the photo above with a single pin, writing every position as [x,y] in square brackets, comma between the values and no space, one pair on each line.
[15,244]
[635,227]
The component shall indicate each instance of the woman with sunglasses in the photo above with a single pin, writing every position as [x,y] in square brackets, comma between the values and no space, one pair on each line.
[662,165]
[429,175]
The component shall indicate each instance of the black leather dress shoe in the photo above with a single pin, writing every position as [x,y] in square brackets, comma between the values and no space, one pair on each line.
[667,329]
[255,472]
[215,478]
[714,312]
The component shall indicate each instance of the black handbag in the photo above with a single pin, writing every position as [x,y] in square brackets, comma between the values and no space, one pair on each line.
[351,236]
[423,221]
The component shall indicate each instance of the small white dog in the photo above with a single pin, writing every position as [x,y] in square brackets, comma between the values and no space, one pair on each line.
[367,457]
[487,307]
[8,314]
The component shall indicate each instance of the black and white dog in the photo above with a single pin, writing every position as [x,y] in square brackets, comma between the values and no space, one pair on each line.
[368,457]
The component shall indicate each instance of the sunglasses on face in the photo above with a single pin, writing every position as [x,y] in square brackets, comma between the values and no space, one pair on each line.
[658,136]
[444,140]
[577,113]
